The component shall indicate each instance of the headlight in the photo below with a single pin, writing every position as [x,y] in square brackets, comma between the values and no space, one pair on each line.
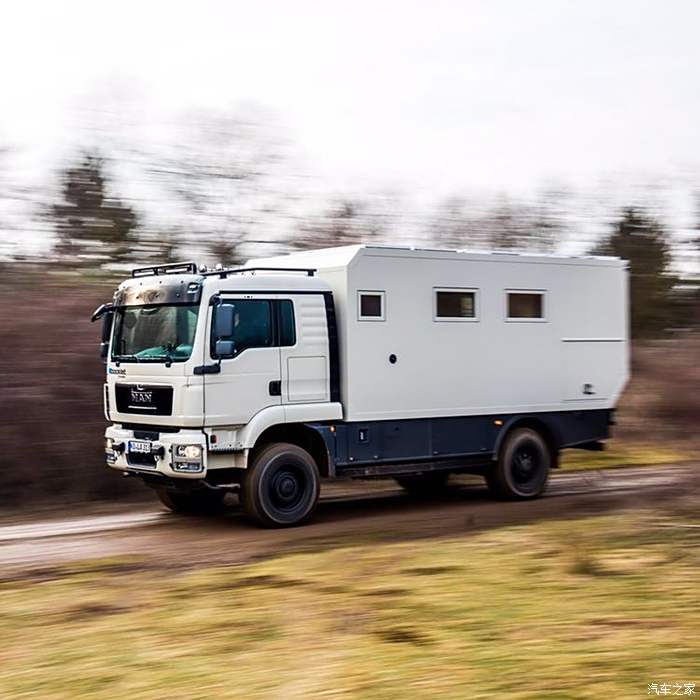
[188,451]
[110,454]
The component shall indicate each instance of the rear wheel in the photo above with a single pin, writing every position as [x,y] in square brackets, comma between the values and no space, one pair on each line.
[195,502]
[282,486]
[523,466]
[424,485]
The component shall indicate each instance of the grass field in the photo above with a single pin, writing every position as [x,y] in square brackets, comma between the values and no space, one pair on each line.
[619,453]
[594,607]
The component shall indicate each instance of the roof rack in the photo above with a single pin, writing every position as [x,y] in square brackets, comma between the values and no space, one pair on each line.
[170,269]
[310,271]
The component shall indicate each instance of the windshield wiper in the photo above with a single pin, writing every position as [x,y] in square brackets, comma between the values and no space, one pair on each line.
[126,358]
[143,358]
[168,356]
[158,358]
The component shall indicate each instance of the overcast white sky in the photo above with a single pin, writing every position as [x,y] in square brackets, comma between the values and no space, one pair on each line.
[427,99]
[436,95]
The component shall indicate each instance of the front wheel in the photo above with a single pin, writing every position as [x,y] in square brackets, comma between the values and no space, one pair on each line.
[282,486]
[523,466]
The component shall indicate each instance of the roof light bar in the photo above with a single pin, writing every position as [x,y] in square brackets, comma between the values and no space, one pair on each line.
[310,271]
[170,269]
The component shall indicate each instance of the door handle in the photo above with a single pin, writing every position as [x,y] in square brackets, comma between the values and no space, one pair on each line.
[208,369]
[275,388]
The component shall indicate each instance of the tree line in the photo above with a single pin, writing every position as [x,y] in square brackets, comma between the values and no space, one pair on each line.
[222,199]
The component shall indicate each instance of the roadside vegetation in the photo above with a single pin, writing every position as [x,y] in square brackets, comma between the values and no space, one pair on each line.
[223,186]
[592,607]
[52,424]
[620,453]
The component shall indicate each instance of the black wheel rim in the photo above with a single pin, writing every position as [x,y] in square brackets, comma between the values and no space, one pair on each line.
[526,466]
[288,487]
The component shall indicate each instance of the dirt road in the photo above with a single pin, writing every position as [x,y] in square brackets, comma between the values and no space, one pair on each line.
[348,513]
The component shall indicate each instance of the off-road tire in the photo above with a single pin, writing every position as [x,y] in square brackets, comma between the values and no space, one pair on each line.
[281,487]
[523,466]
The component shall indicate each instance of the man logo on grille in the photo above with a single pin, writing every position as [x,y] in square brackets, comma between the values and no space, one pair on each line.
[140,396]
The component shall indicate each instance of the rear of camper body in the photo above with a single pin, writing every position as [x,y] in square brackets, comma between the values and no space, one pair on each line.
[403,363]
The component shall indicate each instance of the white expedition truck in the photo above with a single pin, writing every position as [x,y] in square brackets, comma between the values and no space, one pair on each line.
[360,361]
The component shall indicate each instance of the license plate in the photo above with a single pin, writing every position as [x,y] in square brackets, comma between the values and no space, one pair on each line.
[140,446]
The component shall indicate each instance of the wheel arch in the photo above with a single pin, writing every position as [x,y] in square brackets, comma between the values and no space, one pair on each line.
[301,434]
[541,426]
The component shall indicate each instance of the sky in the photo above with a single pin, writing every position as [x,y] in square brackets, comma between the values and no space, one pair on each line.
[431,97]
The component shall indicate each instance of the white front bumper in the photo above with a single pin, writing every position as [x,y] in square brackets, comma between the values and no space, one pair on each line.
[162,451]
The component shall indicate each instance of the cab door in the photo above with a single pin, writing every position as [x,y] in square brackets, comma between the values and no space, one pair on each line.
[249,378]
[304,349]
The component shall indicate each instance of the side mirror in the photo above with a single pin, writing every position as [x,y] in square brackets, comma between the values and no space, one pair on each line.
[223,321]
[224,348]
[106,313]
[107,321]
[100,311]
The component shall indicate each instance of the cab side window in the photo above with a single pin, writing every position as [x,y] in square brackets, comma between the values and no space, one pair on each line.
[287,331]
[252,324]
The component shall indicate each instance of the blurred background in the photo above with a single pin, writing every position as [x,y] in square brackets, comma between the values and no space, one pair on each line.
[222,131]
[141,132]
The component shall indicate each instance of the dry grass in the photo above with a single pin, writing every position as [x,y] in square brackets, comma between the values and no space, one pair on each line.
[624,454]
[662,401]
[580,608]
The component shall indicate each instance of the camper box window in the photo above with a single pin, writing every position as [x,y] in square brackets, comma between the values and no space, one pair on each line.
[525,305]
[370,306]
[455,304]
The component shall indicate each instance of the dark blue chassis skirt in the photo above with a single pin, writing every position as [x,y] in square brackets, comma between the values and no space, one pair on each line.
[403,446]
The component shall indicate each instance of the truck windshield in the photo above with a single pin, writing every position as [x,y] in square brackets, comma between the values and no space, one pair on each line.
[163,333]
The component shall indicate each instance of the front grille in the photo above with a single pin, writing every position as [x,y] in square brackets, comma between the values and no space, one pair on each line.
[144,399]
[151,435]
[137,459]
[150,428]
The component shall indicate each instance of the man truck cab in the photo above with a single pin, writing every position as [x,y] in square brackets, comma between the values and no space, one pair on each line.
[358,362]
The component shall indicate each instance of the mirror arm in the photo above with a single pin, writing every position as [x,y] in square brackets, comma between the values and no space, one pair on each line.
[100,311]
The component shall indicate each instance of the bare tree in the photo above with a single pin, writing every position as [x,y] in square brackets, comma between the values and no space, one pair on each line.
[219,174]
[454,225]
[343,222]
[507,224]
[19,203]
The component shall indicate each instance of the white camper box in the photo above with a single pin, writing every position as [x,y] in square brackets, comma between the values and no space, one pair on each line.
[362,361]
[407,361]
